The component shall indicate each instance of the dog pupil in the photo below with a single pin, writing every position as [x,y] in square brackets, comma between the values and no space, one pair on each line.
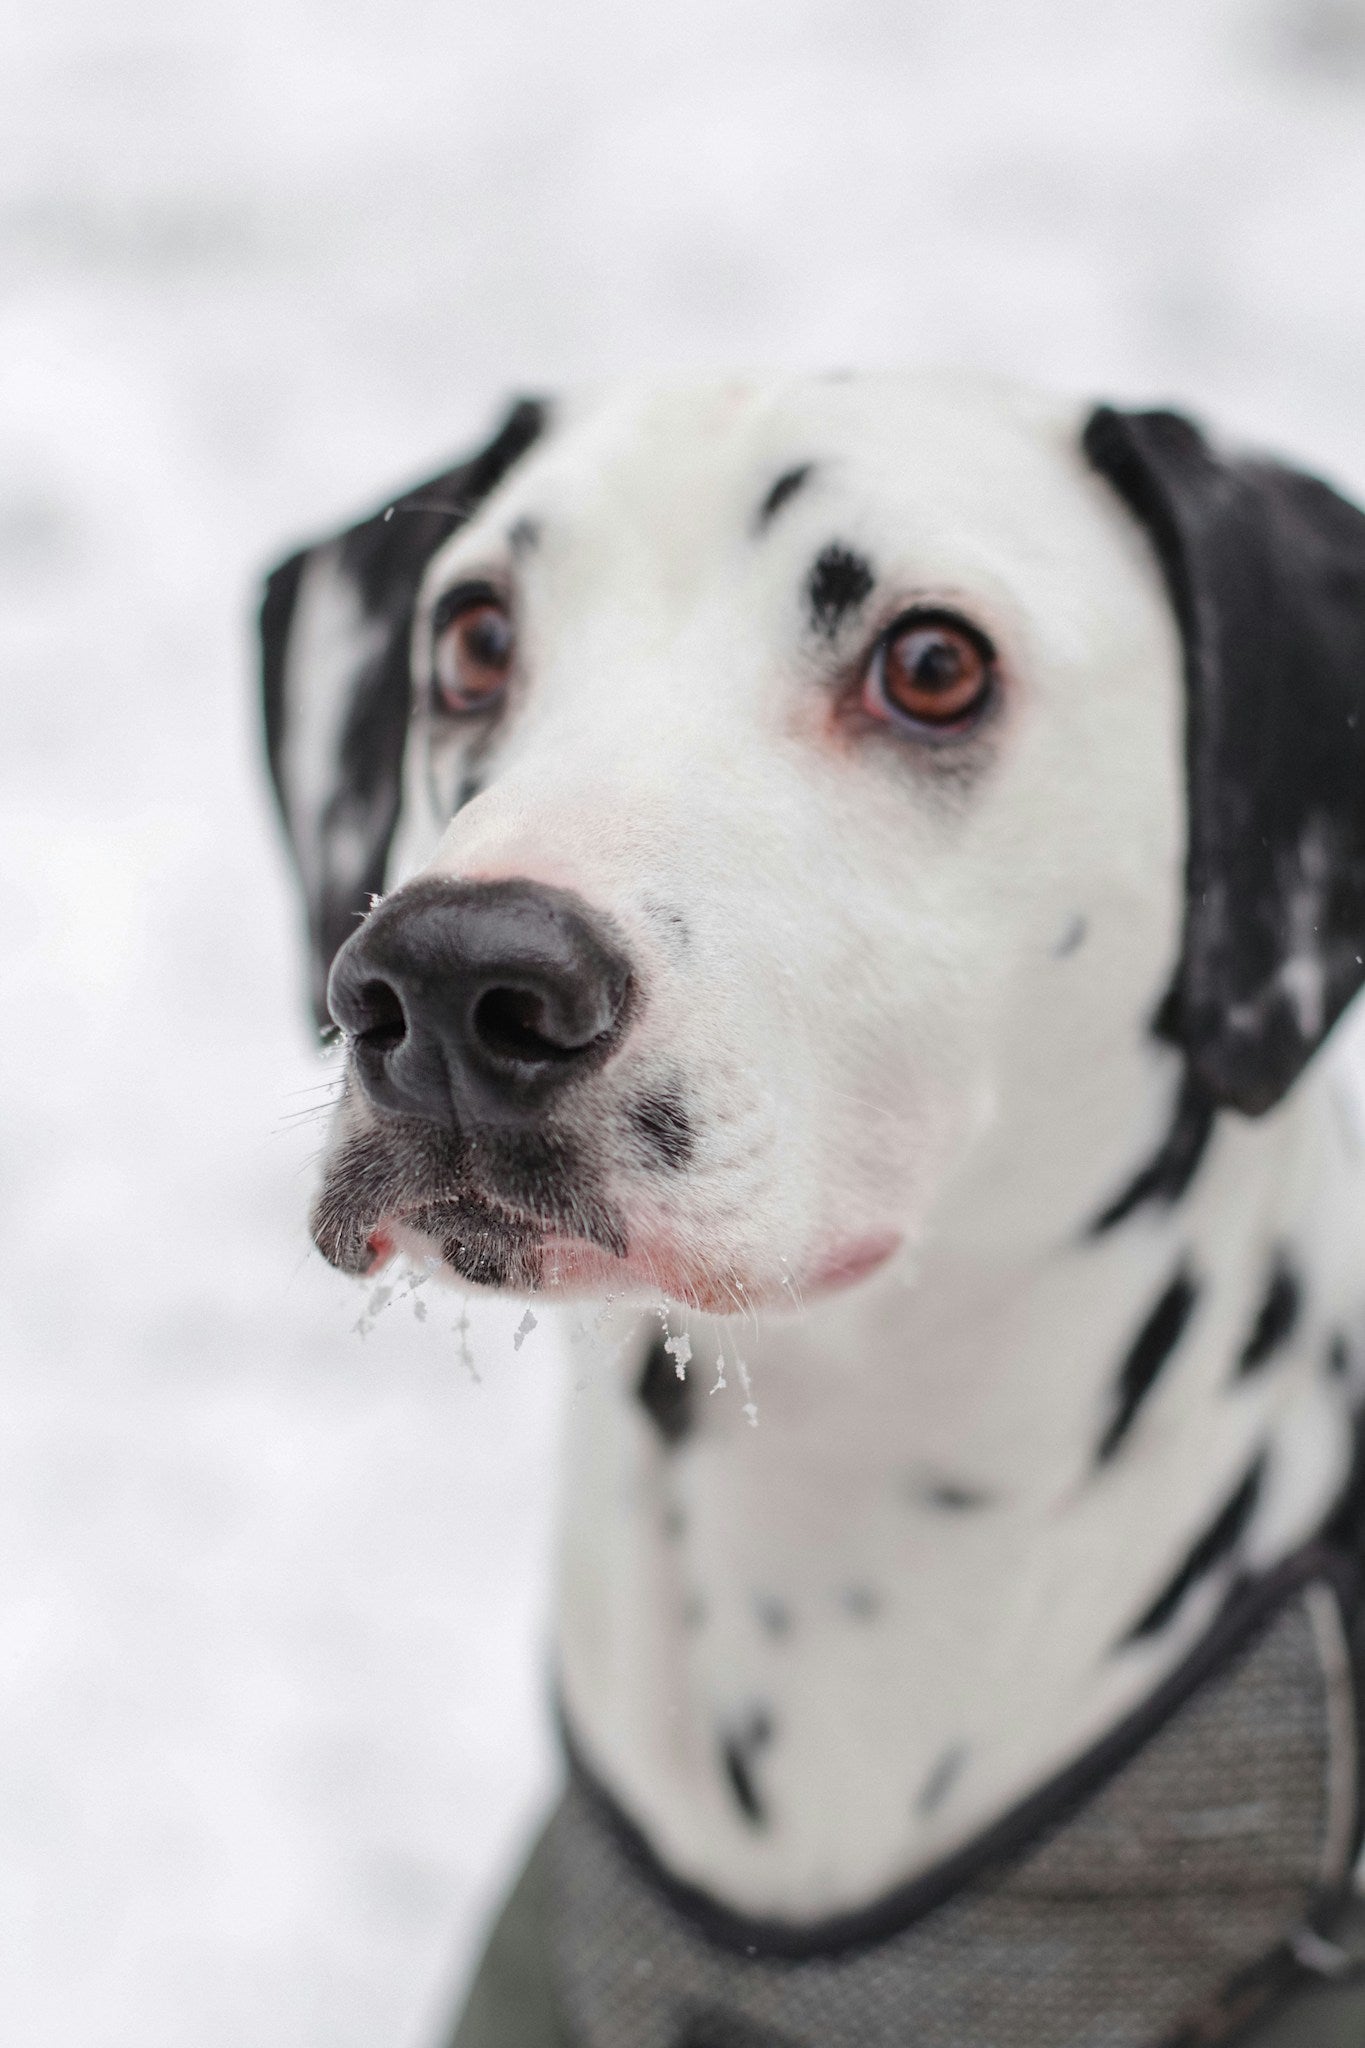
[487,640]
[939,666]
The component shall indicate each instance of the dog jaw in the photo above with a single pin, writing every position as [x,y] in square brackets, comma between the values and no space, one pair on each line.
[450,1204]
[481,1246]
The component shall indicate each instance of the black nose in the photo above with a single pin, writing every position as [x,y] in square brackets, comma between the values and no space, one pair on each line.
[469,1003]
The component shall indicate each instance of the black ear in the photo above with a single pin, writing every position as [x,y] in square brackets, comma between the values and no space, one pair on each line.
[1266,570]
[335,621]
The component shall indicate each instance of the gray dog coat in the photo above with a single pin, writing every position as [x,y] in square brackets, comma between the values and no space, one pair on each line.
[1187,1883]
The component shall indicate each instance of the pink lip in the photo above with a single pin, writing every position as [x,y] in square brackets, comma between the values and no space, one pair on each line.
[848,1263]
[381,1248]
[574,1267]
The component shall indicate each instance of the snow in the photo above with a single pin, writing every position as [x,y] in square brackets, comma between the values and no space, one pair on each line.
[679,1349]
[272,1599]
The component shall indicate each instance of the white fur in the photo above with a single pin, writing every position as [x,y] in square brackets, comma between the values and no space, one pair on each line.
[882,1020]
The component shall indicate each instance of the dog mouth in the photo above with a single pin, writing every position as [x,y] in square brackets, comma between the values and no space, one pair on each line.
[484,1244]
[497,1214]
[526,1214]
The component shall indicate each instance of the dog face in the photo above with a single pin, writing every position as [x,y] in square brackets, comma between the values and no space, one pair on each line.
[786,793]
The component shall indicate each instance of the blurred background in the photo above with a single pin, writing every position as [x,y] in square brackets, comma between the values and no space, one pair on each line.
[272,1592]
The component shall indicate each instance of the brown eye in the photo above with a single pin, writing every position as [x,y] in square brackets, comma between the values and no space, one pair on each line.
[471,656]
[936,671]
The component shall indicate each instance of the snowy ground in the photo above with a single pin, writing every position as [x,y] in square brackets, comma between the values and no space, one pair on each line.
[271,1596]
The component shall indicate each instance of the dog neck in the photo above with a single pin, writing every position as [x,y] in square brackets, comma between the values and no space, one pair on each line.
[869,1575]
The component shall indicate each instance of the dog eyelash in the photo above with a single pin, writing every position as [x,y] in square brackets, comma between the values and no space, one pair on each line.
[463,597]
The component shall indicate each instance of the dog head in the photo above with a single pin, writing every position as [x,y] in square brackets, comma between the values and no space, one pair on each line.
[788,795]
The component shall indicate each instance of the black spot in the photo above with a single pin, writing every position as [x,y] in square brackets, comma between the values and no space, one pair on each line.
[864,1603]
[674,925]
[523,536]
[1276,1319]
[1217,1542]
[1338,1356]
[665,1398]
[837,584]
[1072,938]
[952,1496]
[1175,1162]
[1147,1354]
[666,1128]
[739,1750]
[941,1780]
[787,486]
[774,1615]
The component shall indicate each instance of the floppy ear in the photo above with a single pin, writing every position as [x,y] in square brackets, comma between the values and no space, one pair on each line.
[1266,571]
[335,621]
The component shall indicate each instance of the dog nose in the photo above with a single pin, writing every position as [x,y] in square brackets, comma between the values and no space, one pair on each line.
[470,1003]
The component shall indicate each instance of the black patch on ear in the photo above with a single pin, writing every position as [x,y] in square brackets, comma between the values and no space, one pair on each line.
[838,583]
[739,1750]
[665,1127]
[787,486]
[1175,1162]
[1266,572]
[1205,1555]
[341,856]
[1276,1319]
[666,1399]
[277,609]
[1147,1354]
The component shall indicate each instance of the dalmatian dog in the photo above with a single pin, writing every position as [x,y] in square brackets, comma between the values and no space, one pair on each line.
[852,877]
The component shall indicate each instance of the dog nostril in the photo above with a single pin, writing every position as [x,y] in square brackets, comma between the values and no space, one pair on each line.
[511,1023]
[386,1023]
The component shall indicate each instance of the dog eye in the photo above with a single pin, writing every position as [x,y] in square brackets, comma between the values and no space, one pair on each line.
[931,670]
[471,657]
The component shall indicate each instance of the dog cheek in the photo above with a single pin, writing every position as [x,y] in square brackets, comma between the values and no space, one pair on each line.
[903,1118]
